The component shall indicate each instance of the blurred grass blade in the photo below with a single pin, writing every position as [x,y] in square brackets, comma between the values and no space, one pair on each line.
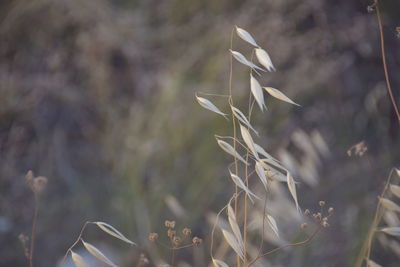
[97,253]
[238,181]
[394,231]
[219,263]
[230,150]
[395,189]
[242,118]
[245,35]
[257,92]
[239,57]
[78,260]
[390,205]
[272,223]
[205,103]
[261,174]
[264,59]
[249,141]
[371,263]
[114,232]
[292,189]
[279,95]
[230,238]
[234,225]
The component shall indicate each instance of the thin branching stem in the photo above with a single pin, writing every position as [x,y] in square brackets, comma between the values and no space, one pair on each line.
[311,237]
[216,222]
[76,242]
[175,248]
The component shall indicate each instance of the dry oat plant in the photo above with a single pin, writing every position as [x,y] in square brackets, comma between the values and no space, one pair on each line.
[256,179]
[253,167]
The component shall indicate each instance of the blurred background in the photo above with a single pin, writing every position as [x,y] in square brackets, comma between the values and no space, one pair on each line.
[98,96]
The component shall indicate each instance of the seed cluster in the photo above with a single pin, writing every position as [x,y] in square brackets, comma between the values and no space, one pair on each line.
[37,184]
[174,238]
[319,217]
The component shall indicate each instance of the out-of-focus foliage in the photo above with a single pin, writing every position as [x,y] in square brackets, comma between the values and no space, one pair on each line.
[99,97]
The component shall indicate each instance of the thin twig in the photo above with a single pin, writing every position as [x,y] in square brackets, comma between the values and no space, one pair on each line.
[211,94]
[311,237]
[216,222]
[385,68]
[173,258]
[175,248]
[263,226]
[33,233]
[76,242]
[234,132]
[250,109]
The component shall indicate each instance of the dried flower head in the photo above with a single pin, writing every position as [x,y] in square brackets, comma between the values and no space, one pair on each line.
[39,184]
[153,237]
[358,149]
[322,203]
[29,176]
[24,241]
[23,238]
[307,212]
[325,224]
[143,260]
[196,240]
[176,240]
[303,225]
[317,216]
[186,232]
[171,233]
[330,210]
[170,224]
